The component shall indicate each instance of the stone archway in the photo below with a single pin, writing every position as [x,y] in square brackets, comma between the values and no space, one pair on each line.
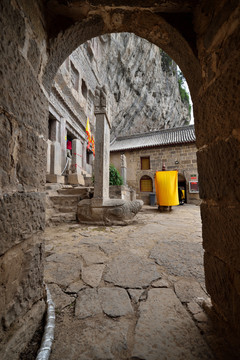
[203,39]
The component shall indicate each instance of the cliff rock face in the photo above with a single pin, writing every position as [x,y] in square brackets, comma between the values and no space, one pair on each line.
[142,83]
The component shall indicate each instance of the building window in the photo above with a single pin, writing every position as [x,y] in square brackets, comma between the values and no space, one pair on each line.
[84,89]
[74,77]
[146,184]
[145,163]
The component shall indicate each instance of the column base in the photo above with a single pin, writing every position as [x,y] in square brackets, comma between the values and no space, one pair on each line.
[76,179]
[107,212]
[52,178]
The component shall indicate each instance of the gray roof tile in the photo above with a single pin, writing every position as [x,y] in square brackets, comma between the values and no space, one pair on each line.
[180,135]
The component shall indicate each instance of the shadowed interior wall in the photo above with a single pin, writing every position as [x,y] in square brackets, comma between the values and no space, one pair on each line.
[23,111]
[205,43]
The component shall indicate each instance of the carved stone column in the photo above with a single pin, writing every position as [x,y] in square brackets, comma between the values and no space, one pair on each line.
[124,169]
[76,177]
[101,210]
[101,171]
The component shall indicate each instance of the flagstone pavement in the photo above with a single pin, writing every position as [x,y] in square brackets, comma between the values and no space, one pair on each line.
[131,292]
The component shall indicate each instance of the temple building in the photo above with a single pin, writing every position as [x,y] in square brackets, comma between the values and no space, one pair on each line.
[146,153]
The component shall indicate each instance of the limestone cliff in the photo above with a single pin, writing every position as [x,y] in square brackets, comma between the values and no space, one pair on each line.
[143,84]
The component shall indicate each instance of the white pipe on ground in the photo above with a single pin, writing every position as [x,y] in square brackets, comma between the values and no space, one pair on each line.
[48,336]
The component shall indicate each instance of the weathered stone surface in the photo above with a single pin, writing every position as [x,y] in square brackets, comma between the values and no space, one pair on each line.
[134,83]
[94,257]
[23,333]
[93,339]
[221,226]
[131,271]
[108,212]
[27,210]
[115,302]
[92,274]
[135,295]
[60,299]
[87,304]
[162,283]
[162,330]
[188,290]
[223,289]
[201,317]
[62,274]
[176,262]
[222,157]
[21,272]
[193,307]
[76,287]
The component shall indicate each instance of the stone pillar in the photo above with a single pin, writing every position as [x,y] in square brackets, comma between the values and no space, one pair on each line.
[91,159]
[63,142]
[101,171]
[48,156]
[101,210]
[124,169]
[77,156]
[55,164]
[76,177]
[55,167]
[84,155]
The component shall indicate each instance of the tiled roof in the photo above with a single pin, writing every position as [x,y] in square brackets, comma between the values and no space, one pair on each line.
[180,135]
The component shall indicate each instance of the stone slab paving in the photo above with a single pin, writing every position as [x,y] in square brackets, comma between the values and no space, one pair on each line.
[131,271]
[133,292]
[166,331]
[115,302]
[92,274]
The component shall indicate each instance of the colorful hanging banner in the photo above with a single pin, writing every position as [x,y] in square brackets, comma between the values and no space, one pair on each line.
[166,184]
[88,131]
[93,145]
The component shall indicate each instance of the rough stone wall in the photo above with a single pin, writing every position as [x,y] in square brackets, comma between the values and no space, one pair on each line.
[23,115]
[218,139]
[140,79]
[142,84]
[184,154]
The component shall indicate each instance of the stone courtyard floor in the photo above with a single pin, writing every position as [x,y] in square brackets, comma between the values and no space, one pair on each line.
[132,292]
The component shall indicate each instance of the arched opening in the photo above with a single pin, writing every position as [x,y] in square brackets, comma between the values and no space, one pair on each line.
[146,184]
[189,34]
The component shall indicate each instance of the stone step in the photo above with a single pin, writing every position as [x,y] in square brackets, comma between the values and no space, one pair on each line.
[81,191]
[59,218]
[65,200]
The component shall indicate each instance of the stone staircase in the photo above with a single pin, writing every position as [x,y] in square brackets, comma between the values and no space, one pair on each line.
[61,202]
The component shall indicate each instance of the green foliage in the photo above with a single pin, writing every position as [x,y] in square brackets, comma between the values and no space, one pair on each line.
[114,176]
[183,93]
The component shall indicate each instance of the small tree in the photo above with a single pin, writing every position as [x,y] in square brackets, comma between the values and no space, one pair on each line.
[114,176]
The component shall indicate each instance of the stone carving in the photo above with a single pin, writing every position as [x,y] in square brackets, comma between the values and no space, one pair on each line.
[123,161]
[100,101]
[110,212]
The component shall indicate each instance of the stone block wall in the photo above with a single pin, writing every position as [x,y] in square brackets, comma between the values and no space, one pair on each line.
[185,154]
[23,128]
[218,139]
